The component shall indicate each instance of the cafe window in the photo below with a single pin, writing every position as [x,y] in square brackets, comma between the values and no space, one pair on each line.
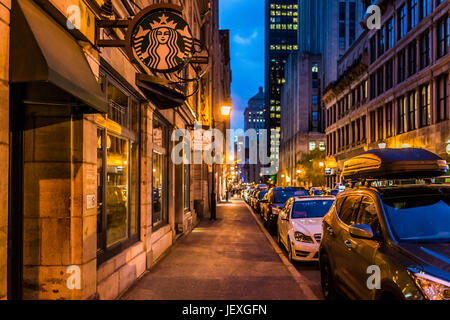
[117,172]
[160,173]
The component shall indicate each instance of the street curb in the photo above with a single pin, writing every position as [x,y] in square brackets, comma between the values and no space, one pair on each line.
[298,277]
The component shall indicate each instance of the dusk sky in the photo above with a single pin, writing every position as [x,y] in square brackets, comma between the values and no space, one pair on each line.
[245,20]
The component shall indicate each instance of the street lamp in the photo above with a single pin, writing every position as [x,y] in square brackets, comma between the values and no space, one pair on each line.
[225,111]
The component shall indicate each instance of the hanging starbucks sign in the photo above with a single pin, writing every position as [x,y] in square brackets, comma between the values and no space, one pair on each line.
[159,39]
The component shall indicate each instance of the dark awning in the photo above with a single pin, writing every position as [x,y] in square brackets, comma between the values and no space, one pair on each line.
[42,51]
[158,93]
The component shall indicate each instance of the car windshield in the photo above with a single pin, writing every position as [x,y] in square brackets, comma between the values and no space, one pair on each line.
[420,218]
[311,209]
[262,194]
[281,196]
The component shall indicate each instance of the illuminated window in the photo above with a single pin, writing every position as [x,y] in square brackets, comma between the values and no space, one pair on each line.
[322,146]
[312,146]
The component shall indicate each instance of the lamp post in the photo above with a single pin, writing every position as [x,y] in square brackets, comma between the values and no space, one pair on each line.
[225,111]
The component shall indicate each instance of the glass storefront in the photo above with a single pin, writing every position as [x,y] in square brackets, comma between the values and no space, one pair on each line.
[116,190]
[117,171]
[160,182]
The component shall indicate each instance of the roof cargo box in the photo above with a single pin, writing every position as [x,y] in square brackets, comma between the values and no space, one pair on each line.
[394,164]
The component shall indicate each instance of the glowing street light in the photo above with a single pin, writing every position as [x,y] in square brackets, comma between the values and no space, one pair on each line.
[321,164]
[226,110]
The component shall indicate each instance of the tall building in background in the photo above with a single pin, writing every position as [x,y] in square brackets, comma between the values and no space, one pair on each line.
[282,34]
[340,25]
[326,29]
[254,118]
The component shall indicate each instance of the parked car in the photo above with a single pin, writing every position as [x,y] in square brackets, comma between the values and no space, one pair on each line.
[300,226]
[274,201]
[251,197]
[249,194]
[334,192]
[258,199]
[402,230]
[317,191]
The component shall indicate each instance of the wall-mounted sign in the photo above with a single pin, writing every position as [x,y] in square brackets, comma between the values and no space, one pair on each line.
[160,40]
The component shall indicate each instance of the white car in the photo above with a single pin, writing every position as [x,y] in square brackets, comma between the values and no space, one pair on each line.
[300,226]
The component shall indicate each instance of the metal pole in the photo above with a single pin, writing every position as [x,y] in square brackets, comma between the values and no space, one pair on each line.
[213,178]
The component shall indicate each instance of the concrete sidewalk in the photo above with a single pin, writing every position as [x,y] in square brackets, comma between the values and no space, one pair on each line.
[230,258]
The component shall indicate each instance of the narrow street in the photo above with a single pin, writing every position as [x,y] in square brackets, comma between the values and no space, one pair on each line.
[231,258]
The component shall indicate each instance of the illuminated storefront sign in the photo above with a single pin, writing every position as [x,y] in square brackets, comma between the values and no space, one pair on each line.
[160,40]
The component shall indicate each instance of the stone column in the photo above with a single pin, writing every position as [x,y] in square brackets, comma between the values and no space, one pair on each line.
[60,227]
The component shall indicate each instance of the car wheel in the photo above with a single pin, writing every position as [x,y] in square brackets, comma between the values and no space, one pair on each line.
[326,278]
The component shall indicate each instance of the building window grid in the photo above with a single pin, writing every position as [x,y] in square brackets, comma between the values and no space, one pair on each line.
[412,110]
[442,97]
[401,115]
[443,40]
[425,49]
[413,14]
[389,120]
[425,113]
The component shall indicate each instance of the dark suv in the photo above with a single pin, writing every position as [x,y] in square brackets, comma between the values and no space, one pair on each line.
[388,242]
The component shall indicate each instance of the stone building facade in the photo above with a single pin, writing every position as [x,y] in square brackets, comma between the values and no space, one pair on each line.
[392,86]
[89,197]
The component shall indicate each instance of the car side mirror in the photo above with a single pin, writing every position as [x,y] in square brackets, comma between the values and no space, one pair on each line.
[361,231]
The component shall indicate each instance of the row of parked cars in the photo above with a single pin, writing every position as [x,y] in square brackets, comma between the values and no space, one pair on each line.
[387,236]
[294,215]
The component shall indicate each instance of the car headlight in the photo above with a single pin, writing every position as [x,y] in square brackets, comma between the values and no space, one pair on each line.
[302,237]
[432,288]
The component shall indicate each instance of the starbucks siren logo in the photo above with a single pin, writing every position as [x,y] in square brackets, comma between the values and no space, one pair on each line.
[162,42]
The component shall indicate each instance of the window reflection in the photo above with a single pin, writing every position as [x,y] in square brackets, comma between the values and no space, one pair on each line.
[159,208]
[117,190]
